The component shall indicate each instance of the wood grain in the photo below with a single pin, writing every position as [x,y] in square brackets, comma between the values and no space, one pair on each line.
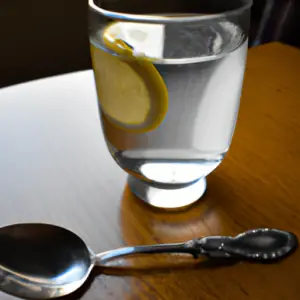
[67,177]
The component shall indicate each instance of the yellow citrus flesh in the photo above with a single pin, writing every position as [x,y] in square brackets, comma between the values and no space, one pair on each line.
[122,93]
[131,92]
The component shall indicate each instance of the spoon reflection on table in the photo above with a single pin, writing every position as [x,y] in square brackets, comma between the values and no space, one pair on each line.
[42,261]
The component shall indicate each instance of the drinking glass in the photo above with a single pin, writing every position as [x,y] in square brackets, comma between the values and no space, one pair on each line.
[168,75]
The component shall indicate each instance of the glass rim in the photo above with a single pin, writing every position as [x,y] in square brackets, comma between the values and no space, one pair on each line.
[165,19]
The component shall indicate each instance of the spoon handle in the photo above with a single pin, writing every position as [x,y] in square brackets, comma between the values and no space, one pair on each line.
[107,256]
[257,244]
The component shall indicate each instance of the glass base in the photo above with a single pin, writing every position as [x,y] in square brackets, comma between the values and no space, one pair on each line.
[167,197]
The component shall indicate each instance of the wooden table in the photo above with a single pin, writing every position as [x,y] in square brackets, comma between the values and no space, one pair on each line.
[54,167]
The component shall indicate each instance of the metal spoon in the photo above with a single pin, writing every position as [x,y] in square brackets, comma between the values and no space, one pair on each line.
[41,261]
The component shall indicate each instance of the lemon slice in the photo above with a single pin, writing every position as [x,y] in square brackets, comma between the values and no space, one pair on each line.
[122,93]
[131,92]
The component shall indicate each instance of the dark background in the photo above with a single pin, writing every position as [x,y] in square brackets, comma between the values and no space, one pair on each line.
[41,38]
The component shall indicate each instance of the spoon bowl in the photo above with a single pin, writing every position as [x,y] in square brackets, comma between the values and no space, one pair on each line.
[42,261]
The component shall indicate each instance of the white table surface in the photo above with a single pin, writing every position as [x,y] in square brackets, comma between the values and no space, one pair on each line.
[53,155]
